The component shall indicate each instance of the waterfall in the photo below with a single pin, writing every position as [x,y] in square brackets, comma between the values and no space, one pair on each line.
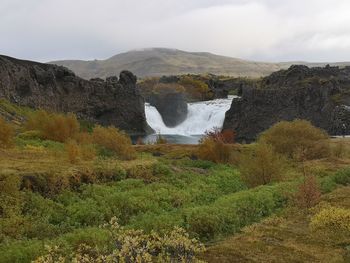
[202,116]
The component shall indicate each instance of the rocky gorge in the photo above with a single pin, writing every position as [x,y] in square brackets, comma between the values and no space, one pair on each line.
[114,101]
[320,95]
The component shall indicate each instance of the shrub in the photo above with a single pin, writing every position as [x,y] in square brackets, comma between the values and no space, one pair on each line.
[342,176]
[230,213]
[54,126]
[308,194]
[128,245]
[225,136]
[87,152]
[213,150]
[113,139]
[290,138]
[332,220]
[10,197]
[327,184]
[7,133]
[72,150]
[84,138]
[262,165]
[195,88]
[148,172]
[339,150]
[109,171]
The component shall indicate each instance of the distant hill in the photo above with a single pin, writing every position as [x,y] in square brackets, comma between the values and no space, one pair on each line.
[163,61]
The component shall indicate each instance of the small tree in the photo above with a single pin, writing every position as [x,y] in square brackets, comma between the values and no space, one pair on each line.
[288,138]
[309,193]
[262,165]
[214,145]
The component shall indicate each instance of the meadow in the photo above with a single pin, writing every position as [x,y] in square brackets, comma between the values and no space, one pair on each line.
[72,191]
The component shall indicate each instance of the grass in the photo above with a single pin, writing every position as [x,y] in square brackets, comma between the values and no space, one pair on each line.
[151,192]
[47,199]
[284,238]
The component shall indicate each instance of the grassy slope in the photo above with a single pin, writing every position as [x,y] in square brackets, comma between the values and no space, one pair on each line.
[162,188]
[284,238]
[190,189]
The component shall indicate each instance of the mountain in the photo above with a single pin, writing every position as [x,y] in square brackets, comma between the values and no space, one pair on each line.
[163,61]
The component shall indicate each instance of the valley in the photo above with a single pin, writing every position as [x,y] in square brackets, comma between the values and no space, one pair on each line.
[208,177]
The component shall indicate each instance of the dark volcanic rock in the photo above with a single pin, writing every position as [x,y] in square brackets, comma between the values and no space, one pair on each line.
[112,102]
[320,95]
[222,87]
[172,106]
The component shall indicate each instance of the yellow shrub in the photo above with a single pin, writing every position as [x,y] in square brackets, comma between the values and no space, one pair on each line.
[113,139]
[53,126]
[295,137]
[213,150]
[332,219]
[87,152]
[262,165]
[130,245]
[7,133]
[84,138]
[72,150]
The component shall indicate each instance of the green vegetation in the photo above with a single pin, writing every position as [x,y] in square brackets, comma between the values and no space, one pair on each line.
[297,139]
[194,87]
[163,201]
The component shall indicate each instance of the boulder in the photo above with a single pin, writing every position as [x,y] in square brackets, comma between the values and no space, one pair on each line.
[172,106]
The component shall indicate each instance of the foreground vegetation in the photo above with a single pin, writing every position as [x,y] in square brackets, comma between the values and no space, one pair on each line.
[75,192]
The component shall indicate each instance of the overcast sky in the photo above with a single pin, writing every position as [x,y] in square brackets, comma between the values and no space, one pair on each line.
[264,30]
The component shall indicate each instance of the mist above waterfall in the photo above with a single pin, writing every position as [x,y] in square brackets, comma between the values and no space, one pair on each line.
[202,116]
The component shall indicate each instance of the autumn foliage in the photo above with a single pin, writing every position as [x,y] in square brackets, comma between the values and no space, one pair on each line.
[309,193]
[54,126]
[262,165]
[6,134]
[225,136]
[115,140]
[214,146]
[289,138]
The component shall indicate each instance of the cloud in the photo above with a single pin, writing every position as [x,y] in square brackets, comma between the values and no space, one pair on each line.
[270,30]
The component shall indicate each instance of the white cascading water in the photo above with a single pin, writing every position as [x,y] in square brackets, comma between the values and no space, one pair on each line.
[201,117]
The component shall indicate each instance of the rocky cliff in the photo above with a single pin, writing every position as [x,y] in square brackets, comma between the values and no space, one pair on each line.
[172,106]
[320,95]
[112,102]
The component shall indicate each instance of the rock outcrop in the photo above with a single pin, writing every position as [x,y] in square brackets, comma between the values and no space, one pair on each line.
[112,102]
[320,95]
[172,106]
[221,88]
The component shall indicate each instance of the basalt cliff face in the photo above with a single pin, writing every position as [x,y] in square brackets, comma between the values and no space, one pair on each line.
[172,107]
[114,101]
[320,95]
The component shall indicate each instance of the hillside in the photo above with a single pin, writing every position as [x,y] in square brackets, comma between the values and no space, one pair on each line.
[163,61]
